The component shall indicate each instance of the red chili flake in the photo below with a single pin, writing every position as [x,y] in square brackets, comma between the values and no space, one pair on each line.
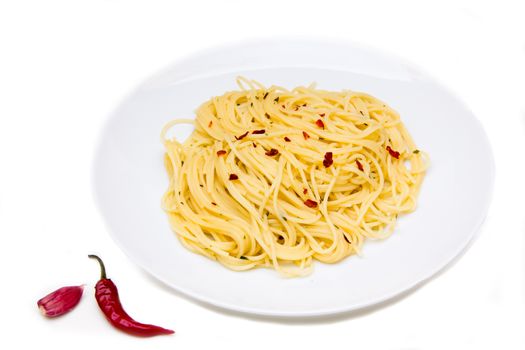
[221,152]
[359,165]
[233,177]
[322,114]
[305,191]
[272,152]
[254,145]
[265,95]
[242,136]
[283,106]
[392,152]
[210,123]
[346,239]
[296,108]
[305,135]
[328,159]
[213,203]
[319,123]
[304,104]
[287,139]
[258,132]
[310,203]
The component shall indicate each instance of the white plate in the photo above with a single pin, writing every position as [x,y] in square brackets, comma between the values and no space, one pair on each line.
[130,178]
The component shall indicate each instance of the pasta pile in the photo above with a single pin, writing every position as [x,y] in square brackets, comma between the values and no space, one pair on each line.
[279,178]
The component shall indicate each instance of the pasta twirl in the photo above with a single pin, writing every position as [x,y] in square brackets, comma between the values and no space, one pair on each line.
[279,178]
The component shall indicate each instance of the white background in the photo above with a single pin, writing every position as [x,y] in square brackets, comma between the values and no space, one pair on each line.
[65,65]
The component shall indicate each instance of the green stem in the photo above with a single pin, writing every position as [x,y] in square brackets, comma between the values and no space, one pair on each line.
[101,263]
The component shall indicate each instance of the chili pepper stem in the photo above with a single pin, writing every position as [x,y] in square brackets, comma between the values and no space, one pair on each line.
[101,263]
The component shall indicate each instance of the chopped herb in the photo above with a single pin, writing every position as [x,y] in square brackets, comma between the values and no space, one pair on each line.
[287,139]
[365,124]
[201,185]
[221,152]
[284,218]
[272,152]
[181,203]
[265,95]
[276,100]
[416,151]
[213,203]
[258,132]
[253,119]
[310,203]
[361,113]
[243,258]
[346,239]
[267,115]
[238,104]
[182,163]
[251,104]
[242,136]
[233,177]
[304,104]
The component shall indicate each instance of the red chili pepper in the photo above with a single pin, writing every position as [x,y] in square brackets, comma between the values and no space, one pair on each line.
[60,301]
[319,123]
[328,160]
[310,203]
[272,152]
[258,132]
[108,300]
[393,153]
[359,165]
[242,136]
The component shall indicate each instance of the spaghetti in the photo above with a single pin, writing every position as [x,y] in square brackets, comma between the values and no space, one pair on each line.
[279,178]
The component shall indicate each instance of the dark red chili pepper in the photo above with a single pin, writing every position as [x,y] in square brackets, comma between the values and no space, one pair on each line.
[258,132]
[242,136]
[393,153]
[359,165]
[328,160]
[108,300]
[272,152]
[310,203]
[319,123]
